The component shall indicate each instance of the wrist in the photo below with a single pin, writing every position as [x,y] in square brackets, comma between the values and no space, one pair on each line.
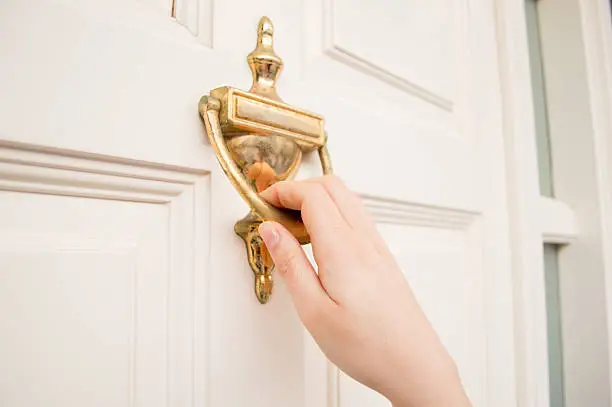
[435,387]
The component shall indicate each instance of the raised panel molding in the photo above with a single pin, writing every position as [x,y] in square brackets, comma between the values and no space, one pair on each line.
[153,16]
[398,212]
[334,50]
[346,57]
[26,168]
[184,191]
[197,17]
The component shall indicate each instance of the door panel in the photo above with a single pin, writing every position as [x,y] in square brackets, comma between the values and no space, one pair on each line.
[400,94]
[60,322]
[102,282]
[102,145]
[381,34]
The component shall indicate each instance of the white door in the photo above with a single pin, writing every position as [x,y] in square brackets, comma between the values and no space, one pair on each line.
[122,282]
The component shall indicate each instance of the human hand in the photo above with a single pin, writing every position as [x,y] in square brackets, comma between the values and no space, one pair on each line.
[359,308]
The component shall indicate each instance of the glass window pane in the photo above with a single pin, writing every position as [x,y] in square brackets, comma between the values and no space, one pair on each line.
[539,99]
[553,313]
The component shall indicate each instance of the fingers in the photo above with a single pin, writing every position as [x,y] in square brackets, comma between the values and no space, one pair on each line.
[352,209]
[348,202]
[294,195]
[348,205]
[293,265]
[319,212]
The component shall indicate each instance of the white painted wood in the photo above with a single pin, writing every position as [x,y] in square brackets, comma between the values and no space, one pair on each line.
[44,329]
[485,77]
[396,212]
[597,32]
[353,35]
[197,17]
[523,198]
[101,137]
[579,151]
[92,307]
[576,36]
[446,208]
[557,220]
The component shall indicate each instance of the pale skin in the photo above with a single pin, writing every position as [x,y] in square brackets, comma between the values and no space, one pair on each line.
[359,307]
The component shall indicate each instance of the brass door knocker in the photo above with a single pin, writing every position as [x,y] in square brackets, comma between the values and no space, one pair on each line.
[259,140]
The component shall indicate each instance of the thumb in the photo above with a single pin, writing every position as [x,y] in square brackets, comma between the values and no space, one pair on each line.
[292,264]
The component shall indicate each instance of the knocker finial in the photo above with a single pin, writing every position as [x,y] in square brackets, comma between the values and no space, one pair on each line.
[264,63]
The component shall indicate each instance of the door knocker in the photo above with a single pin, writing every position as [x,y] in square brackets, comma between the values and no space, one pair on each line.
[259,140]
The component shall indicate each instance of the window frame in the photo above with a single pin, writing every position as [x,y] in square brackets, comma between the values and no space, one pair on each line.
[585,234]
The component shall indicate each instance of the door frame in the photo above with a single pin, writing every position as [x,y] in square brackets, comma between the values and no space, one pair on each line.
[534,220]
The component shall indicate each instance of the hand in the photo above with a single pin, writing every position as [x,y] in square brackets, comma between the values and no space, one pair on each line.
[359,307]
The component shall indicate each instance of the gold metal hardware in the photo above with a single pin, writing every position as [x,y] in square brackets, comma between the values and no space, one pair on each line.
[259,140]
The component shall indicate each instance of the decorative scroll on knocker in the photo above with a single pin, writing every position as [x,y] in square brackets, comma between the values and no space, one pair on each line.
[259,140]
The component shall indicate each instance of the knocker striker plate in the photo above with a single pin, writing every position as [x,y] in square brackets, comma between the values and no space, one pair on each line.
[260,140]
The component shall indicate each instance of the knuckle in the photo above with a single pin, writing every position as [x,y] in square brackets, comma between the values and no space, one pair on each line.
[287,263]
[280,184]
[317,189]
[333,180]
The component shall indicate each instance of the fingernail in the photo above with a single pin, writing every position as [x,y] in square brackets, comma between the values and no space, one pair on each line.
[269,234]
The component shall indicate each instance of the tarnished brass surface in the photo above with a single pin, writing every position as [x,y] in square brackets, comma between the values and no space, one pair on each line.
[259,140]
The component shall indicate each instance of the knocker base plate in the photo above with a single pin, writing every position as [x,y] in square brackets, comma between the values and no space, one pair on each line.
[258,255]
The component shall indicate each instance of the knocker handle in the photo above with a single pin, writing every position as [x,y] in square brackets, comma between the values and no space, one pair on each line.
[209,109]
[259,140]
